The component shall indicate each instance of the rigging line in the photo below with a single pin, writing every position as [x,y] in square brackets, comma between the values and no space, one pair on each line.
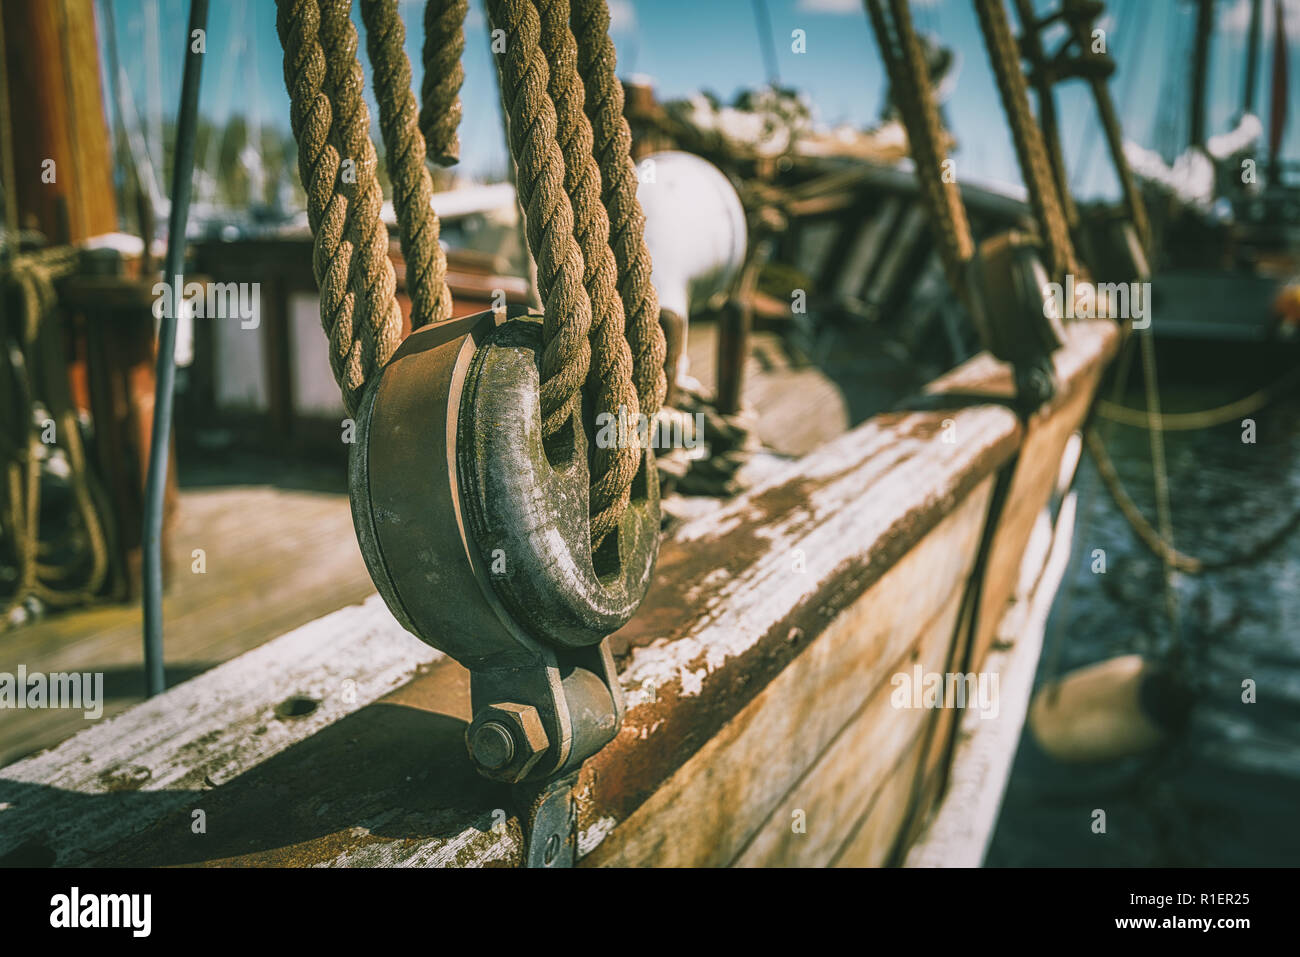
[1205,418]
[766,42]
[1164,134]
[130,148]
[1123,27]
[1159,467]
[151,32]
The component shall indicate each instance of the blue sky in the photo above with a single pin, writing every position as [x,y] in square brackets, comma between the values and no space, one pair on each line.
[687,45]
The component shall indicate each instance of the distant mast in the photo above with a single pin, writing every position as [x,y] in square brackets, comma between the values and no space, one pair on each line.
[1278,110]
[1252,57]
[1200,62]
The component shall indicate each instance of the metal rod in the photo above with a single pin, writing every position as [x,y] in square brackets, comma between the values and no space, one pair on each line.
[159,441]
[763,20]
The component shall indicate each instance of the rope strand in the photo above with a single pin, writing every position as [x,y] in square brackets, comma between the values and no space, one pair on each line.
[336,162]
[440,110]
[404,150]
[1035,168]
[548,216]
[609,379]
[613,151]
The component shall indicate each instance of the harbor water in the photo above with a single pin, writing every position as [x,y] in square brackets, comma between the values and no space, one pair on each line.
[1225,790]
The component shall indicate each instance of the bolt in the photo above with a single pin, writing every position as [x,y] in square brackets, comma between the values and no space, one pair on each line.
[506,740]
[492,747]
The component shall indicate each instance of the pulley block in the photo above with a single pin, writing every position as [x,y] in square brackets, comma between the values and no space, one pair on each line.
[1015,318]
[475,530]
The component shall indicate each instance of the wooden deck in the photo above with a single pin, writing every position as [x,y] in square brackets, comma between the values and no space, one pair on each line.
[276,556]
[280,551]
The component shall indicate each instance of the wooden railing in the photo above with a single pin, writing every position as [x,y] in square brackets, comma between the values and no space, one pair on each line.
[757,675]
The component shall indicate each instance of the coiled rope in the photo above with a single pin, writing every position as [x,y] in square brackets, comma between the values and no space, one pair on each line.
[36,342]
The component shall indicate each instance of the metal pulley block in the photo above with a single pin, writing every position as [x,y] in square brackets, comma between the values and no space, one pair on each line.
[1016,319]
[476,533]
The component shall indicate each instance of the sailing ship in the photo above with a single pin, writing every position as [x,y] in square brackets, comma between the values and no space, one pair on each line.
[879,524]
[1227,208]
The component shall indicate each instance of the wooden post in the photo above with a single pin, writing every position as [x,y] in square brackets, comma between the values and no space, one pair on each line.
[62,164]
[63,185]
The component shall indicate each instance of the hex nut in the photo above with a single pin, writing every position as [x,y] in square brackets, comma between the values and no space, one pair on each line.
[487,746]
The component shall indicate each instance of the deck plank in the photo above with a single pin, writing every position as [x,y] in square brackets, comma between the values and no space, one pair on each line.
[276,558]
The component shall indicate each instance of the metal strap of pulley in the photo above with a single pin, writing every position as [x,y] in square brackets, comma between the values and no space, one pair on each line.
[492,526]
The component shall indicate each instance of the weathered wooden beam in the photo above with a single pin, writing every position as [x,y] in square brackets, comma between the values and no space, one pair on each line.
[1093,344]
[755,675]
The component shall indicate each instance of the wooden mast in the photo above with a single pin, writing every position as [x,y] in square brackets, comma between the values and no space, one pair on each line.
[51,62]
[1200,63]
[1252,57]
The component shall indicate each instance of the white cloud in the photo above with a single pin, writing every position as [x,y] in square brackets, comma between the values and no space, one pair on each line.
[622,16]
[1235,18]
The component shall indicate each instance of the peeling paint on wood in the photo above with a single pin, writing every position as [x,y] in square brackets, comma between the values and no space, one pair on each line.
[813,584]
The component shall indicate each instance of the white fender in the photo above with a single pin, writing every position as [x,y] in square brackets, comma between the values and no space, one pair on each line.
[1108,710]
[694,228]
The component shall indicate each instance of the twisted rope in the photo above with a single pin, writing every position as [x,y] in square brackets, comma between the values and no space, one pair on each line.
[609,379]
[905,63]
[613,152]
[426,263]
[440,110]
[1035,167]
[330,122]
[548,216]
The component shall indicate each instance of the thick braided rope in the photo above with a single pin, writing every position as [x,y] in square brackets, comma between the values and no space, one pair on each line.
[548,217]
[909,77]
[440,108]
[613,150]
[1035,167]
[609,380]
[330,122]
[426,263]
[377,320]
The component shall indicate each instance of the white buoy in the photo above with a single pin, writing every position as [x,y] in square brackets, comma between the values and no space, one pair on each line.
[1112,709]
[695,231]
